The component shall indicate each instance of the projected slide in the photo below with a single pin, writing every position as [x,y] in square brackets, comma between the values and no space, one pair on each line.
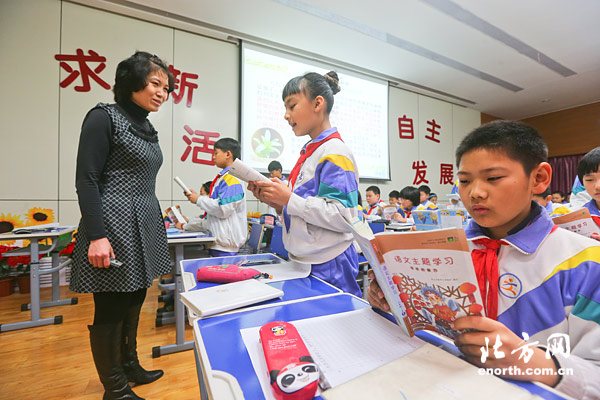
[360,113]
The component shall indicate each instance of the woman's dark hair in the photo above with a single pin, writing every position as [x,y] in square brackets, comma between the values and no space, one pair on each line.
[313,85]
[411,193]
[588,164]
[132,73]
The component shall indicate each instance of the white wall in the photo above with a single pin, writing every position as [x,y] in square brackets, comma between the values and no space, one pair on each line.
[40,121]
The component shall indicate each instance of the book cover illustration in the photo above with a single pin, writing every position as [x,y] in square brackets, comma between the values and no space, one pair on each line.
[579,221]
[454,218]
[427,220]
[433,276]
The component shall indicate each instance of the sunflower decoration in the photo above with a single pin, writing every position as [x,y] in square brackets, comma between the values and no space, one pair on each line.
[8,222]
[39,216]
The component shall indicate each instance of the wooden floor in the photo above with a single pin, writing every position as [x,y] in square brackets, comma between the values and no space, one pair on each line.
[55,362]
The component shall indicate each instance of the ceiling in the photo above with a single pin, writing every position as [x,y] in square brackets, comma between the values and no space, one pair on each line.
[512,59]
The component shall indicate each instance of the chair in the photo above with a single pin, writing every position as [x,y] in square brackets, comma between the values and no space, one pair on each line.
[277,246]
[363,266]
[255,239]
[377,227]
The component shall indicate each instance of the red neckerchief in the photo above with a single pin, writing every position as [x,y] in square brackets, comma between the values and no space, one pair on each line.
[486,269]
[371,208]
[596,219]
[305,153]
[212,185]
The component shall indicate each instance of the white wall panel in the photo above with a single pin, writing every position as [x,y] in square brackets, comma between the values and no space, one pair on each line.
[115,38]
[29,38]
[435,115]
[214,67]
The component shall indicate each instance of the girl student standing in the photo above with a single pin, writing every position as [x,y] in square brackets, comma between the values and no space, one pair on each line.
[323,186]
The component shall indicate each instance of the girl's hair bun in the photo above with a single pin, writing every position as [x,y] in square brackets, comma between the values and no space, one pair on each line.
[334,82]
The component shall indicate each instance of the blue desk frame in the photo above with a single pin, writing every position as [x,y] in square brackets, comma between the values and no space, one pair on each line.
[233,358]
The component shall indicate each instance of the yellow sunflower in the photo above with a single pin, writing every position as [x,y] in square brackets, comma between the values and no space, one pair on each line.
[39,216]
[8,222]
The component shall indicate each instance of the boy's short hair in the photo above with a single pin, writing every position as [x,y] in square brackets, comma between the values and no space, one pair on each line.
[206,186]
[275,166]
[425,189]
[229,144]
[411,193]
[395,194]
[559,192]
[544,194]
[373,189]
[589,163]
[518,141]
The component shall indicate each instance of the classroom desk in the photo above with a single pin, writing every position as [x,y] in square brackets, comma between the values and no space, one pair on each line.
[293,289]
[178,242]
[60,236]
[223,361]
[399,227]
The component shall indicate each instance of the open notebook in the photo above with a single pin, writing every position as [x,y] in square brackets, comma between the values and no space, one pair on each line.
[229,296]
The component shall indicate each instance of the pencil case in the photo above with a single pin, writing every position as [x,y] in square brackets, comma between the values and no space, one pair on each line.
[292,371]
[226,273]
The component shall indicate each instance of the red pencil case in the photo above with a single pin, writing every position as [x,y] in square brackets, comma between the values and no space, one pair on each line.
[293,373]
[226,273]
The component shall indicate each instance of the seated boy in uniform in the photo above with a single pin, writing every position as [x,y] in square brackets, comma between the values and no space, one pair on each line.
[394,198]
[544,199]
[589,174]
[225,205]
[540,284]
[374,203]
[425,203]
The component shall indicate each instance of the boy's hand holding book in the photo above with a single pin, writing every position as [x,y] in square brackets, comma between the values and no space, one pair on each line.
[192,196]
[375,296]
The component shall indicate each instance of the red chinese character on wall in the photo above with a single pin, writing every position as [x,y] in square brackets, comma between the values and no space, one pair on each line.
[84,70]
[446,174]
[205,146]
[421,170]
[433,130]
[183,84]
[405,126]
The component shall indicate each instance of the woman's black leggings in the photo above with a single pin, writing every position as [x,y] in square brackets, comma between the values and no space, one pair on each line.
[112,307]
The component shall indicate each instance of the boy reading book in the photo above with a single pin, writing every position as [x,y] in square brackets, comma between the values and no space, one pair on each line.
[225,205]
[589,175]
[539,284]
[374,202]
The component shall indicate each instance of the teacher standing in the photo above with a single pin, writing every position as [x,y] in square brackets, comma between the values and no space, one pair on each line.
[117,163]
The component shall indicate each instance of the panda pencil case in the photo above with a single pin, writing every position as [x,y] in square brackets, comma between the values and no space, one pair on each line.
[227,273]
[292,371]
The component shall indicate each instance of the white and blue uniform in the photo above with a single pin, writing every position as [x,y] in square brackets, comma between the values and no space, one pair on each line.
[225,214]
[549,283]
[324,198]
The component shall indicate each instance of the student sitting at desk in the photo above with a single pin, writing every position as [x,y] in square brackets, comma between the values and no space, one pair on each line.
[374,202]
[425,203]
[409,198]
[225,205]
[589,174]
[559,197]
[544,199]
[196,223]
[323,191]
[276,171]
[534,278]
[394,198]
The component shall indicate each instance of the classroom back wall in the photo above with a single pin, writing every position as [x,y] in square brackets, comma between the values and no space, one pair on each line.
[60,58]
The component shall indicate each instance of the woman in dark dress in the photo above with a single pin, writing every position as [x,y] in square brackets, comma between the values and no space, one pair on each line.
[117,162]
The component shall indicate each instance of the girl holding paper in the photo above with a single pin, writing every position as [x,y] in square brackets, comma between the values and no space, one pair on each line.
[322,195]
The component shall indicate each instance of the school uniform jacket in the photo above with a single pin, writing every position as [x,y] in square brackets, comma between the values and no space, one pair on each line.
[594,212]
[428,205]
[226,217]
[549,283]
[325,196]
[374,209]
